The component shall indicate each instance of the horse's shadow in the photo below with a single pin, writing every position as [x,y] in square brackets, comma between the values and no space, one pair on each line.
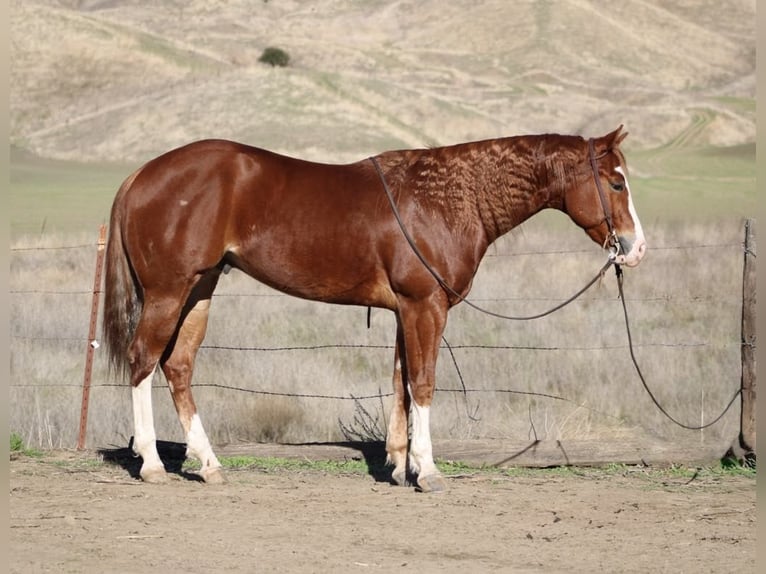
[374,455]
[173,456]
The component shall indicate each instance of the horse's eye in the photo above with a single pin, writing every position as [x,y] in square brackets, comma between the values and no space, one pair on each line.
[616,186]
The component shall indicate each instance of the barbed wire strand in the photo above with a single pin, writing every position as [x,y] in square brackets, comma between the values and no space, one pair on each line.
[464,390]
[465,346]
[512,254]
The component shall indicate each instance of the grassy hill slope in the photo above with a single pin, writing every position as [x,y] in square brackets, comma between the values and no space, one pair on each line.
[115,81]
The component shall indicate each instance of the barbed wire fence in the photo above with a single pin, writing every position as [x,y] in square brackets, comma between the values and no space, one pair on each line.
[70,339]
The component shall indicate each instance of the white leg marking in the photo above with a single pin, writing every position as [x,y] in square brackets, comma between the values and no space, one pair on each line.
[144,437]
[421,451]
[395,424]
[198,445]
[399,474]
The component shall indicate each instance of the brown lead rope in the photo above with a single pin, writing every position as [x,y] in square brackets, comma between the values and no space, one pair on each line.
[600,274]
[618,270]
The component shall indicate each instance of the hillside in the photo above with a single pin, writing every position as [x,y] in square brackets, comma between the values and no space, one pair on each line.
[111,80]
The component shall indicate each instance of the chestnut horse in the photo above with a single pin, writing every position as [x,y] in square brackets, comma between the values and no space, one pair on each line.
[328,233]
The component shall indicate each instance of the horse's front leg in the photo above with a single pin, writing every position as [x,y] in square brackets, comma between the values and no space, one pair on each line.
[422,325]
[397,439]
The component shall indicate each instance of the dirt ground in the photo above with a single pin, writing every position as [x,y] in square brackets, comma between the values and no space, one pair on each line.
[69,512]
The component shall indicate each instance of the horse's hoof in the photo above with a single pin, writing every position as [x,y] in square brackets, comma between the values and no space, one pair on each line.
[432,483]
[399,478]
[154,475]
[213,475]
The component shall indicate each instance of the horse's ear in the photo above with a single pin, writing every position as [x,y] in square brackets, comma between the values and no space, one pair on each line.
[611,140]
[614,139]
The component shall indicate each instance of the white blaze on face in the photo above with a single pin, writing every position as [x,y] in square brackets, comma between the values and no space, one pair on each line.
[638,249]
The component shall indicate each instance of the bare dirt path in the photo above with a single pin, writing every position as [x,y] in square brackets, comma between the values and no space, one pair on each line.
[69,512]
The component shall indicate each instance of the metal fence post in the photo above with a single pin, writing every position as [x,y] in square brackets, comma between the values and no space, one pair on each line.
[747,420]
[92,342]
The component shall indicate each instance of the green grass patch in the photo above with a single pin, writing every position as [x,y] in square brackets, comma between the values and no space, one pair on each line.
[456,468]
[59,196]
[271,464]
[691,163]
[17,443]
[17,447]
[694,183]
[741,105]
[659,475]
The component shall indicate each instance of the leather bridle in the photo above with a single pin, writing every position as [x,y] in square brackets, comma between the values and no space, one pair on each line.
[611,242]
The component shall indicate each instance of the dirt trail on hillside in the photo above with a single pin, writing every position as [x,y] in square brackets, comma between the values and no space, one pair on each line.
[71,513]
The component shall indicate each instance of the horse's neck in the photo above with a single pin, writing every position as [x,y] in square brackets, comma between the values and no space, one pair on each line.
[496,184]
[514,183]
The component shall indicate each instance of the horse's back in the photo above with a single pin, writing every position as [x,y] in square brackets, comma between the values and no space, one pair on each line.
[303,227]
[236,173]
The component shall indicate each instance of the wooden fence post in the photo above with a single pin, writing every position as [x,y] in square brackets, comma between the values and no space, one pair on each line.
[747,420]
[92,342]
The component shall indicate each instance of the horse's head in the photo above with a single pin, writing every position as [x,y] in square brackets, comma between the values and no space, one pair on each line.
[600,200]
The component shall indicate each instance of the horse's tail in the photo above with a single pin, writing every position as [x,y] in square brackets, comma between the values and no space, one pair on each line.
[122,294]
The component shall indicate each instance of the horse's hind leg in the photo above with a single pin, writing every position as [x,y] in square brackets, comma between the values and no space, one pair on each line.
[144,437]
[159,317]
[178,366]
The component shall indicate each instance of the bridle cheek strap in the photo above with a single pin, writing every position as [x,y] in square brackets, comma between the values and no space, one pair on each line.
[611,238]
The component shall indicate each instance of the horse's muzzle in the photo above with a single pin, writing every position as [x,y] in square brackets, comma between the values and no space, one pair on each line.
[631,251]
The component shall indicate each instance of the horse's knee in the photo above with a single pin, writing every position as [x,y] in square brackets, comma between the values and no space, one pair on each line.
[178,374]
[422,391]
[142,360]
[140,370]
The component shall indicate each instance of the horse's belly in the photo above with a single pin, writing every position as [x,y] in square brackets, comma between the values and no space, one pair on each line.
[318,274]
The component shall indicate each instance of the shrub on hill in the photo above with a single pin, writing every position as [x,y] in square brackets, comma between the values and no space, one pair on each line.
[275,57]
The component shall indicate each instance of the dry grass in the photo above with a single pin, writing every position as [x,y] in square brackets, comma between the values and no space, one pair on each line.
[684,303]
